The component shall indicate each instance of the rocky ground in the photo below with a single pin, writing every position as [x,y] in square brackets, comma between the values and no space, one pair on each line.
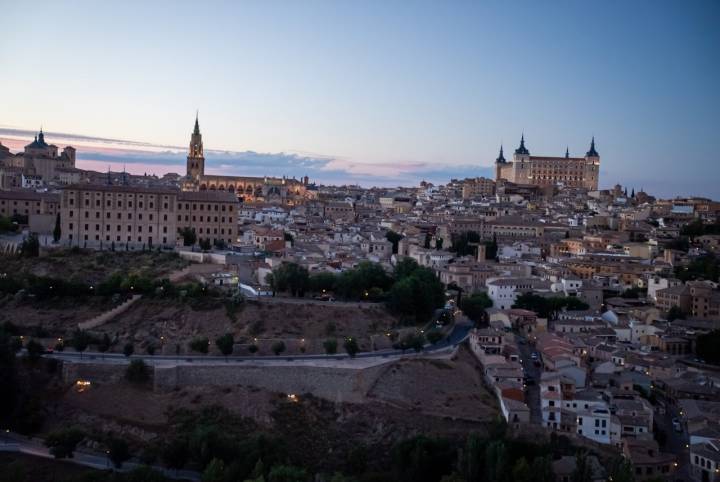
[169,324]
[442,397]
[91,266]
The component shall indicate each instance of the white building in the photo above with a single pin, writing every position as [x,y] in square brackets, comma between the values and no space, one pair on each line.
[504,291]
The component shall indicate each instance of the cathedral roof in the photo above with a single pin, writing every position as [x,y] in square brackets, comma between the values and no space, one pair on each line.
[39,142]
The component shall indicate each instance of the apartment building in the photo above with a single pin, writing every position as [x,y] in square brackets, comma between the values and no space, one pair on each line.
[143,217]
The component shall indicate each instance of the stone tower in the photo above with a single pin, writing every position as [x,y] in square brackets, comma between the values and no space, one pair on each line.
[195,158]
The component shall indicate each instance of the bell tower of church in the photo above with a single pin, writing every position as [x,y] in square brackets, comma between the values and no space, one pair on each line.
[195,158]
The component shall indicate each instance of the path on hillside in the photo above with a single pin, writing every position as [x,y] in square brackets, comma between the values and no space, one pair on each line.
[11,442]
[458,335]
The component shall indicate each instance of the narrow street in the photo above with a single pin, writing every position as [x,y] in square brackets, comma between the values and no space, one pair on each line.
[532,373]
[675,442]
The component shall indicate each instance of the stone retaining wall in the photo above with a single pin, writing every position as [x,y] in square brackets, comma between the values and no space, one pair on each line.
[330,383]
[334,384]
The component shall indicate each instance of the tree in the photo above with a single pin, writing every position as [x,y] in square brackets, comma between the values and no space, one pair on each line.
[62,443]
[80,341]
[128,349]
[496,461]
[330,346]
[30,247]
[188,235]
[322,282]
[583,470]
[542,471]
[278,347]
[137,372]
[706,347]
[34,350]
[351,346]
[491,248]
[200,345]
[253,349]
[675,313]
[414,341]
[104,344]
[205,244]
[422,459]
[290,277]
[621,470]
[464,243]
[118,449]
[521,471]
[394,238]
[175,453]
[57,232]
[416,294]
[214,472]
[287,473]
[434,336]
[474,457]
[474,306]
[548,307]
[226,344]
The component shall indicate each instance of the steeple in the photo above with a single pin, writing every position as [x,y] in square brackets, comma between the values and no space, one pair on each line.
[196,158]
[41,136]
[592,152]
[567,152]
[522,149]
[501,157]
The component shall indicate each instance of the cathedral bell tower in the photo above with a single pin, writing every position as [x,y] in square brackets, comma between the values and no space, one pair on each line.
[195,158]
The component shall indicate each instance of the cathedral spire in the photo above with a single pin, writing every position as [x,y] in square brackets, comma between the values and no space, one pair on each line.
[197,124]
[567,152]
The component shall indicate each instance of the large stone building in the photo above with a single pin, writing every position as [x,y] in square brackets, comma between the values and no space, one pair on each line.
[543,170]
[135,217]
[39,160]
[269,189]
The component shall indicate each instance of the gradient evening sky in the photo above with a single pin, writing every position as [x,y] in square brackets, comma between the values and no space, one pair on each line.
[382,92]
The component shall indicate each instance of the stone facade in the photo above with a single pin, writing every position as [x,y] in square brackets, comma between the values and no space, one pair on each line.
[545,170]
[269,189]
[39,160]
[133,217]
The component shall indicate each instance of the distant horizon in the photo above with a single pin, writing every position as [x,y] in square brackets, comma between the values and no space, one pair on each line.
[142,157]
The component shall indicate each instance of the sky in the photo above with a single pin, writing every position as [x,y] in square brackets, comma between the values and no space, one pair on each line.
[371,92]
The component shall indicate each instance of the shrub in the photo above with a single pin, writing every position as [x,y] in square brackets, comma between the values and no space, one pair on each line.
[62,443]
[278,347]
[200,345]
[351,346]
[330,346]
[137,372]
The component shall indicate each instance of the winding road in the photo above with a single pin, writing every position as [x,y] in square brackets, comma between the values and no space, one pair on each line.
[458,335]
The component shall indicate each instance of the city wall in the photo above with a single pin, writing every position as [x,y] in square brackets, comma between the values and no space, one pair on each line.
[337,384]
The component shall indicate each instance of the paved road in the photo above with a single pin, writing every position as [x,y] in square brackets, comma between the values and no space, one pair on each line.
[458,334]
[676,442]
[10,442]
[532,372]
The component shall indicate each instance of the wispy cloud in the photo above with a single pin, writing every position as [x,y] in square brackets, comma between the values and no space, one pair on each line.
[98,153]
